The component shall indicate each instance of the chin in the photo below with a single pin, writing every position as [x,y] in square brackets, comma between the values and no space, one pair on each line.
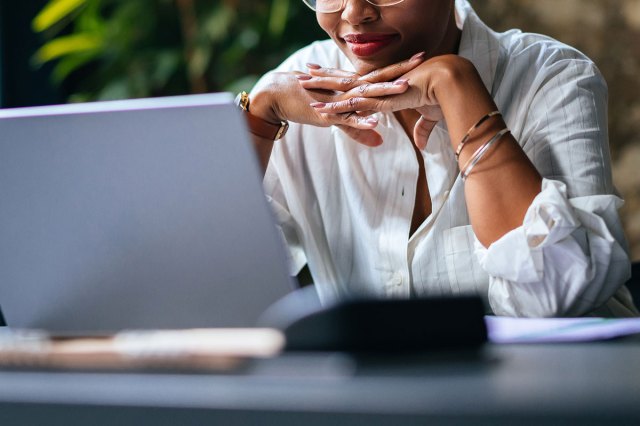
[366,65]
[363,67]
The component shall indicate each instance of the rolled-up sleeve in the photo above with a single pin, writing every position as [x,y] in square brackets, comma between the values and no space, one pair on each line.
[563,260]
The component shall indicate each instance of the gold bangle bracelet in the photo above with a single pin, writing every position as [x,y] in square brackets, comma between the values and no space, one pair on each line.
[472,129]
[480,153]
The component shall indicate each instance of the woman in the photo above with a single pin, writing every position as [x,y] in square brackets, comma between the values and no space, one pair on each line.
[428,155]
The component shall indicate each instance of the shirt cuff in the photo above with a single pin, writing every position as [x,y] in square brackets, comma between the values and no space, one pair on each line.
[517,256]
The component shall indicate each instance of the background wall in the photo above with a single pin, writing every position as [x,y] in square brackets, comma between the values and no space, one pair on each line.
[166,47]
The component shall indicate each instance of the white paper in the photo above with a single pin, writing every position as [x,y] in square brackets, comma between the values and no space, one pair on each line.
[538,330]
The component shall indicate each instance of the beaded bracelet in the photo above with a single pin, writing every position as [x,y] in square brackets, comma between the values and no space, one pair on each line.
[480,153]
[474,127]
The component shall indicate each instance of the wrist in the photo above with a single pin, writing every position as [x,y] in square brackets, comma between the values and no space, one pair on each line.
[263,105]
[462,96]
[261,122]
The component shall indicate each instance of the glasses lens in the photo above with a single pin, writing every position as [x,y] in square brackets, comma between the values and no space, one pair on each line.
[324,6]
[310,3]
[330,6]
[385,2]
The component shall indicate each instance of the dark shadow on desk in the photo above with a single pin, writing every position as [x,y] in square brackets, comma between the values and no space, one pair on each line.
[634,283]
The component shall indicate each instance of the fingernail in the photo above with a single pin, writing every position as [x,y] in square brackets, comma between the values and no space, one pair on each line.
[417,56]
[303,77]
[313,66]
[401,82]
[371,120]
[318,105]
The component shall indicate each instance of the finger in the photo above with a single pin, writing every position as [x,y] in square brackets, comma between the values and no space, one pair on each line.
[350,119]
[394,71]
[431,112]
[320,71]
[353,120]
[351,105]
[365,137]
[363,89]
[376,90]
[365,113]
[340,84]
[421,132]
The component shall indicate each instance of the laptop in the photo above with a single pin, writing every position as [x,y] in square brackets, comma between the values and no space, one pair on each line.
[137,214]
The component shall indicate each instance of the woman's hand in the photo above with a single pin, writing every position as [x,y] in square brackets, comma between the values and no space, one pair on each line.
[433,92]
[353,85]
[279,96]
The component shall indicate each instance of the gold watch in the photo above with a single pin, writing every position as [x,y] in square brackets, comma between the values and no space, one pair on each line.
[258,126]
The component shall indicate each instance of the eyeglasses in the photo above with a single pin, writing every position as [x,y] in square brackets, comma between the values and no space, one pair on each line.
[332,6]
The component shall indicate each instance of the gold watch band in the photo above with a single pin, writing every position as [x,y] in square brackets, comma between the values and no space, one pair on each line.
[258,126]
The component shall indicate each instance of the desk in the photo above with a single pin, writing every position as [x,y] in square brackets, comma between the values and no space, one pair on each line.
[582,384]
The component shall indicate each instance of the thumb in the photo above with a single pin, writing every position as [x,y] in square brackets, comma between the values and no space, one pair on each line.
[421,132]
[366,137]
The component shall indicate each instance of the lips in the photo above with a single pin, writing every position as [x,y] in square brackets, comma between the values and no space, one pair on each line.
[368,44]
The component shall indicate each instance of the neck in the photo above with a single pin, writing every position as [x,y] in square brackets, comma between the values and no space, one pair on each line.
[451,40]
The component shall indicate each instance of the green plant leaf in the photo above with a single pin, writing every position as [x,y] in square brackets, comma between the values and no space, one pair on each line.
[71,63]
[65,45]
[134,48]
[53,12]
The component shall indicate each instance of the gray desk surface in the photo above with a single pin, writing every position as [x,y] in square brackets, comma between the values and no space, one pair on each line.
[521,384]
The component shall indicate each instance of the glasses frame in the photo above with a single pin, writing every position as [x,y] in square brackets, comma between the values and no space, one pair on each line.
[306,2]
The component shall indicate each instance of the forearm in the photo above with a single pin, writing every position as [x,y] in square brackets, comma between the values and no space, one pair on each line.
[500,188]
[262,110]
[502,185]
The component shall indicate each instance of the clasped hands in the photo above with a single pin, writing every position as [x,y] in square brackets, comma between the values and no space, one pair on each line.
[327,96]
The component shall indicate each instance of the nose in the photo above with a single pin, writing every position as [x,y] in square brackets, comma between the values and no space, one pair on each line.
[357,12]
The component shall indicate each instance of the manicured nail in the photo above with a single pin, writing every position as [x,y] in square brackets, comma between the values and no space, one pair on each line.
[418,56]
[303,77]
[371,120]
[318,105]
[313,66]
[401,82]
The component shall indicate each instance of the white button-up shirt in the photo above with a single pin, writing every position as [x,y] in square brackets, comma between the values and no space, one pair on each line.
[346,209]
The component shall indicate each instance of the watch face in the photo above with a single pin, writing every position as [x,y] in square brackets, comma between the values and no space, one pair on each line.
[242,101]
[282,131]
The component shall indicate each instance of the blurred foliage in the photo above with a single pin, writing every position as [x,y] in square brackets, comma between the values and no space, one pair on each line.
[116,49]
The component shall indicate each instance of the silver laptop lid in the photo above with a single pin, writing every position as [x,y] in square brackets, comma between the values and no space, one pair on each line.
[134,214]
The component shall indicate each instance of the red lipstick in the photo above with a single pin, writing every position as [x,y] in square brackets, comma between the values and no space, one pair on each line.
[368,44]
